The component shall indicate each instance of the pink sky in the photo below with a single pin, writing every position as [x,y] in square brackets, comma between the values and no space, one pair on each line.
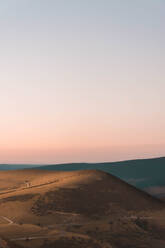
[81,81]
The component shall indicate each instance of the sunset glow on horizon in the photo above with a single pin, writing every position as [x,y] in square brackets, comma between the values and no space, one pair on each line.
[81,81]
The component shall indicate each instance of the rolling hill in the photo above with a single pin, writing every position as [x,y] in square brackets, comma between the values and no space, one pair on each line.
[145,174]
[77,209]
[6,167]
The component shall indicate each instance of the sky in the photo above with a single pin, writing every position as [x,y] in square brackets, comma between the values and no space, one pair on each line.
[81,81]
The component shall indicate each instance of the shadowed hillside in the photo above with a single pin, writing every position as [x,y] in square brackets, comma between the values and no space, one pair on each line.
[145,174]
[102,194]
[78,209]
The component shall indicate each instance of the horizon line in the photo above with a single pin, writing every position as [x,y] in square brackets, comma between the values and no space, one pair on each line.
[118,161]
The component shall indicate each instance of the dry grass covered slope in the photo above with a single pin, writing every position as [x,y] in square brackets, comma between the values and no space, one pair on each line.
[76,209]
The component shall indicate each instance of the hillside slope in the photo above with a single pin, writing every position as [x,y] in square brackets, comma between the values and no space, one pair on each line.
[79,209]
[145,174]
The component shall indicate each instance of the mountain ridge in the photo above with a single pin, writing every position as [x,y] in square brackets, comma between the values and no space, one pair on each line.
[144,174]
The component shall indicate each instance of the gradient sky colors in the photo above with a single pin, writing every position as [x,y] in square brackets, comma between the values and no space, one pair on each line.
[81,80]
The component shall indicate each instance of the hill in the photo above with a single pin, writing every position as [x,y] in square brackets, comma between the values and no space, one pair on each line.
[145,174]
[79,209]
[6,167]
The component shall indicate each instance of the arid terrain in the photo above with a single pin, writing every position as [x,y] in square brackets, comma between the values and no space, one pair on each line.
[79,209]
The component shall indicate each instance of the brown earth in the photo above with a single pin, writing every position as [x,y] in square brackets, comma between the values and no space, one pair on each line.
[77,209]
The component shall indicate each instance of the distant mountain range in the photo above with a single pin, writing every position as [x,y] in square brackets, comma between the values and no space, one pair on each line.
[6,167]
[145,174]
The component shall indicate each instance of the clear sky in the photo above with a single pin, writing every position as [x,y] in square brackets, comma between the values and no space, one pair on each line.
[81,80]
